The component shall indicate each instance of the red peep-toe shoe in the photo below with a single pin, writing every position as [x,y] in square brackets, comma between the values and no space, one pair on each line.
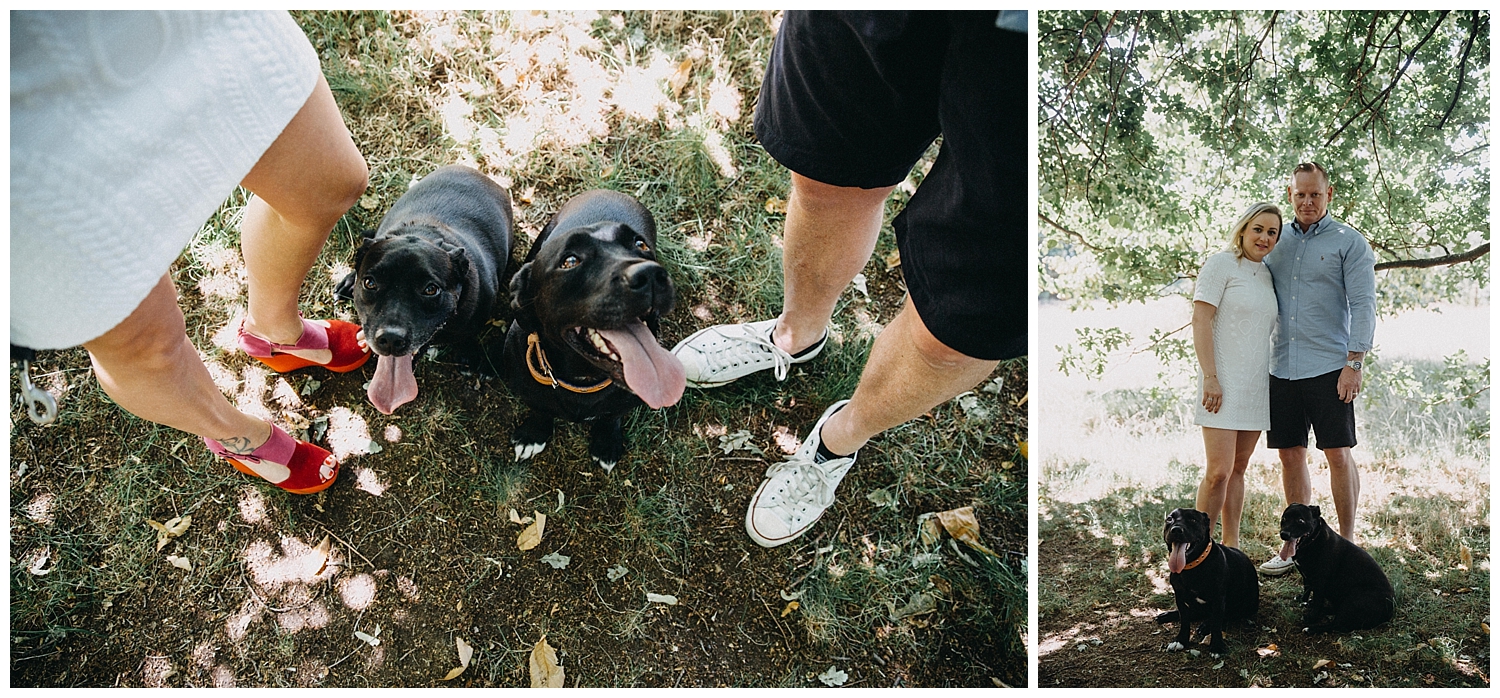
[349,351]
[312,469]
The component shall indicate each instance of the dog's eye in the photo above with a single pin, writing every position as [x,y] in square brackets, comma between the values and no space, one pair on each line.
[430,289]
[369,283]
[568,262]
[641,245]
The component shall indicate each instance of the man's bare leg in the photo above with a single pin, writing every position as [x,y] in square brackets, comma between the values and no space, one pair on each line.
[1294,479]
[830,235]
[909,372]
[1343,479]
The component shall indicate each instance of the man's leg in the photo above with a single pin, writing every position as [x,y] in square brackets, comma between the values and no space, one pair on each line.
[1343,478]
[909,372]
[1294,479]
[303,184]
[830,235]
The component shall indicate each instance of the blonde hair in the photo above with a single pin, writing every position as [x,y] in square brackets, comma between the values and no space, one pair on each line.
[1238,229]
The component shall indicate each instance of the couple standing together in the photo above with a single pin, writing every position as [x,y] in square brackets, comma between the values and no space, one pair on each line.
[1281,324]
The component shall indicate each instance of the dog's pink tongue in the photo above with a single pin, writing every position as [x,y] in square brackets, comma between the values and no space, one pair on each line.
[651,372]
[1289,549]
[394,383]
[1177,560]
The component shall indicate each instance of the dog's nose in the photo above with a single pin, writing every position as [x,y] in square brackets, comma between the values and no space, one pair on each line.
[647,276]
[392,341]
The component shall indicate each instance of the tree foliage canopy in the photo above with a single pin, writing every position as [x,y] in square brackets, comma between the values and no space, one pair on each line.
[1158,128]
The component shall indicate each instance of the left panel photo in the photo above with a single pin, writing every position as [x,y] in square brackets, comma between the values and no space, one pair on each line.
[507,349]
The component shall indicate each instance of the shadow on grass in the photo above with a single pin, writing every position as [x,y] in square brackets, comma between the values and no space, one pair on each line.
[1103,578]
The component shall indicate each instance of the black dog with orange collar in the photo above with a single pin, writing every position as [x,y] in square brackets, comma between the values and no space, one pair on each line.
[1213,583]
[582,345]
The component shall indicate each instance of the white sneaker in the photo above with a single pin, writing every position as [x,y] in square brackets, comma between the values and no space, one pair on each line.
[796,492]
[1277,566]
[718,355]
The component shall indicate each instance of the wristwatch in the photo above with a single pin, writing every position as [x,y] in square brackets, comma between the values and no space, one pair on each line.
[1356,365]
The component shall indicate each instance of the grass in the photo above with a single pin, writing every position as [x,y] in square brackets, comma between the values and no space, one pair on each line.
[421,510]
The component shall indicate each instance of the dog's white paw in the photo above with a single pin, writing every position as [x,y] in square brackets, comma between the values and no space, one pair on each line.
[526,451]
[608,465]
[1174,646]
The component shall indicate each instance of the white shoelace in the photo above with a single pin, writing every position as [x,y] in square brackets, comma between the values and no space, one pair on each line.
[821,484]
[743,348]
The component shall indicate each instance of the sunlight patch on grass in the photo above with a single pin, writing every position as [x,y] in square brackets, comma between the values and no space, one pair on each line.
[297,564]
[39,509]
[237,625]
[312,616]
[368,481]
[254,384]
[252,506]
[639,92]
[358,592]
[227,338]
[348,433]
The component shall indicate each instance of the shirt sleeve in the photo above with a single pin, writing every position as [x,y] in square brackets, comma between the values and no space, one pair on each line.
[1359,288]
[1213,278]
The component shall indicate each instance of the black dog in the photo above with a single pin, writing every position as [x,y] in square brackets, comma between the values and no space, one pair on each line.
[429,274]
[582,345]
[1212,583]
[1338,577]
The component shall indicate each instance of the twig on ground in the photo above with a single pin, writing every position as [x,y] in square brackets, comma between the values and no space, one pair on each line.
[341,540]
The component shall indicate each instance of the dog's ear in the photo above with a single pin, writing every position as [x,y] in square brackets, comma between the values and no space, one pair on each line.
[459,259]
[521,299]
[344,289]
[366,241]
[1315,511]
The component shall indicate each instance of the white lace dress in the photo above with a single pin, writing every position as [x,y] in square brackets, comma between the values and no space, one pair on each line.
[128,129]
[1241,291]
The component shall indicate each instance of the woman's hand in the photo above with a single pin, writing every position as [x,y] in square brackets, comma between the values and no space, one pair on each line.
[1213,395]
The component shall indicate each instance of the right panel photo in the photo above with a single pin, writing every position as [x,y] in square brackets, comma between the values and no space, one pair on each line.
[1263,377]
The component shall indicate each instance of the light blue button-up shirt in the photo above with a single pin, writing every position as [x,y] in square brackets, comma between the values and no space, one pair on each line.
[1325,292]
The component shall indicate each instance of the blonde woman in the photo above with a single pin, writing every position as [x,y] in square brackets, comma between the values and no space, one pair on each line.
[1234,311]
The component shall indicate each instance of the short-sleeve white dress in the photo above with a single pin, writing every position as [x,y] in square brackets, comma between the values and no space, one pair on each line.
[128,129]
[1245,299]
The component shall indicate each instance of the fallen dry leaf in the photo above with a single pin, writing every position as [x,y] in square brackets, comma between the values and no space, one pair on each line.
[1322,663]
[545,672]
[532,536]
[1268,651]
[38,566]
[369,639]
[963,525]
[680,77]
[791,606]
[667,599]
[173,528]
[893,260]
[928,529]
[325,547]
[465,653]
[1465,557]
[516,518]
[775,204]
[180,562]
[1025,451]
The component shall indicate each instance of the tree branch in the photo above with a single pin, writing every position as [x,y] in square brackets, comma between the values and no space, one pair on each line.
[1386,93]
[1459,258]
[1075,235]
[1463,66]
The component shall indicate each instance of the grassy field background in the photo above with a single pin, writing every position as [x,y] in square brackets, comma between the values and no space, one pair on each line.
[1119,453]
[421,544]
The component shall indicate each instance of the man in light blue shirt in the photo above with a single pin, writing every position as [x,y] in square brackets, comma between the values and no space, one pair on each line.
[1324,273]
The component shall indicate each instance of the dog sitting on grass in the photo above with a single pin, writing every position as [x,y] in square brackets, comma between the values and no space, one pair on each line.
[1339,579]
[1212,583]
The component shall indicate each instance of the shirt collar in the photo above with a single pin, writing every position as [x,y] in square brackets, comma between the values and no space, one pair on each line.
[1316,228]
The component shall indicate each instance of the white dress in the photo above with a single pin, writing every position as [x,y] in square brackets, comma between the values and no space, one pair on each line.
[1245,299]
[128,129]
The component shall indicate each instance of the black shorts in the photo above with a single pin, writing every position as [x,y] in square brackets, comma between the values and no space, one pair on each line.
[1298,404]
[854,98]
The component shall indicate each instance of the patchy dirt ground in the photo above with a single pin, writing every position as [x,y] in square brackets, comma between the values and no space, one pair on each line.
[423,551]
[1112,639]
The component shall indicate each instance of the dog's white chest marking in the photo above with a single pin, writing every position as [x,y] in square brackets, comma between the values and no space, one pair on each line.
[1199,600]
